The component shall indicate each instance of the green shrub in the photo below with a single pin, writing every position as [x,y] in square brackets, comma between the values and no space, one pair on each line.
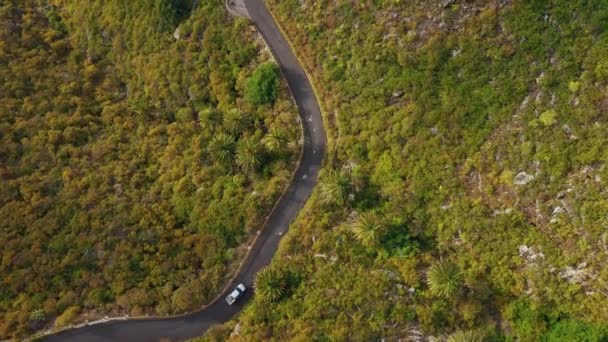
[548,117]
[571,330]
[68,316]
[263,86]
[601,70]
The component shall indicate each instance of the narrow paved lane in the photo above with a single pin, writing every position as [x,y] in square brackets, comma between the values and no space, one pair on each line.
[192,325]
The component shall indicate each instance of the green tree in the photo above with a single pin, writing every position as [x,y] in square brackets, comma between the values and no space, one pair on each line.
[263,86]
[221,148]
[335,186]
[248,153]
[270,284]
[445,279]
[368,229]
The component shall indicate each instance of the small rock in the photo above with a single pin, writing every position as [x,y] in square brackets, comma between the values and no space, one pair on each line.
[177,34]
[540,77]
[237,329]
[447,3]
[398,93]
[523,178]
[319,255]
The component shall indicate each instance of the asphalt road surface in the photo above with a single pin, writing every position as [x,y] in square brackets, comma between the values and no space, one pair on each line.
[192,325]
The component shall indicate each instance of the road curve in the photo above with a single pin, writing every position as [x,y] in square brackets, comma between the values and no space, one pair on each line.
[298,191]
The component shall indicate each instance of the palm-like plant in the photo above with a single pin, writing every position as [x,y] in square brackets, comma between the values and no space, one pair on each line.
[465,336]
[270,284]
[368,229]
[445,279]
[234,121]
[248,153]
[275,140]
[221,148]
[335,187]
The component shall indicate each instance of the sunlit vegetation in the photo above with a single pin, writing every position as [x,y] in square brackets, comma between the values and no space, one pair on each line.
[465,336]
[263,86]
[133,164]
[476,130]
[335,187]
[270,284]
[368,229]
[444,279]
[249,153]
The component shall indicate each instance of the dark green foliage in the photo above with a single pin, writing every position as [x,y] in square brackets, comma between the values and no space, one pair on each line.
[399,242]
[263,85]
[531,322]
[570,330]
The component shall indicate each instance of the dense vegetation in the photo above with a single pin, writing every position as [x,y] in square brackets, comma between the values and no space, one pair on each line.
[133,165]
[467,199]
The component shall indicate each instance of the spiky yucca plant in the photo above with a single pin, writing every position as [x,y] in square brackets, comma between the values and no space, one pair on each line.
[248,153]
[270,284]
[275,140]
[368,229]
[445,279]
[221,148]
[335,187]
[465,336]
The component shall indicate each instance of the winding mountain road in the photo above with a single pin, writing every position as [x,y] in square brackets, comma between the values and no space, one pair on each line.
[305,178]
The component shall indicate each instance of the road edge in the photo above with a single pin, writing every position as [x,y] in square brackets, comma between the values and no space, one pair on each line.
[331,145]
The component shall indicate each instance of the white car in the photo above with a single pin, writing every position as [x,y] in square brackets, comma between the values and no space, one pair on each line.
[236,294]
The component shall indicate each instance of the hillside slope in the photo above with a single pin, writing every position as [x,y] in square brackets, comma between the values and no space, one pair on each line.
[141,143]
[469,190]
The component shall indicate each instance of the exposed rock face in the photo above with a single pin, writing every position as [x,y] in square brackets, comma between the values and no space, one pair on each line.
[578,275]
